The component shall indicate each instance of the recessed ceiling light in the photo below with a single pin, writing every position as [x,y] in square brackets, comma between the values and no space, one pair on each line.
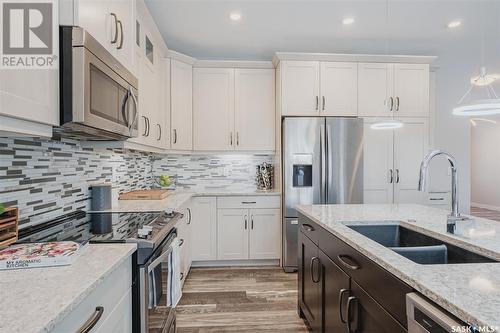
[235,16]
[348,21]
[454,24]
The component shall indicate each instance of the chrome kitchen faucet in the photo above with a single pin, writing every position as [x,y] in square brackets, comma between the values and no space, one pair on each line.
[455,216]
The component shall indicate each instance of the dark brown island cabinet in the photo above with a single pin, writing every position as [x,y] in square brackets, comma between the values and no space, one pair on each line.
[341,290]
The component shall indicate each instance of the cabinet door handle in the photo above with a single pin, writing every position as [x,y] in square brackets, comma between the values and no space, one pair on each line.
[350,301]
[92,321]
[307,227]
[397,176]
[189,219]
[397,104]
[353,265]
[251,221]
[314,259]
[324,103]
[237,138]
[231,139]
[182,276]
[159,132]
[341,298]
[175,136]
[246,222]
[391,103]
[317,102]
[391,176]
[121,35]
[181,242]
[148,126]
[115,37]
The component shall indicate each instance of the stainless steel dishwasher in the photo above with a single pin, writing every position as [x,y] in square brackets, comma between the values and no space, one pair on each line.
[426,317]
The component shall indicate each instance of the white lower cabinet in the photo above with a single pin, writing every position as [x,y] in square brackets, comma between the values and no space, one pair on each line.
[248,234]
[232,232]
[204,228]
[113,296]
[265,234]
[185,241]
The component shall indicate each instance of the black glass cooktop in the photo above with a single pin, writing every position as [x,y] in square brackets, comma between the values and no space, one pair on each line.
[96,227]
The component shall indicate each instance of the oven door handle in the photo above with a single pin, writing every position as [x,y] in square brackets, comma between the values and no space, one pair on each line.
[151,277]
[159,260]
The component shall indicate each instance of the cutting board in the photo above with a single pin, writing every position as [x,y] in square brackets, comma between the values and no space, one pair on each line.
[145,195]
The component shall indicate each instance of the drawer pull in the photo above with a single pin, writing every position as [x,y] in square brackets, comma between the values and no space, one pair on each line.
[181,242]
[92,321]
[352,265]
[436,199]
[249,202]
[182,276]
[307,227]
[341,298]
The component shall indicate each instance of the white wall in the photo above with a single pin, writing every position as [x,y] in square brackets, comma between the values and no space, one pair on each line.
[485,165]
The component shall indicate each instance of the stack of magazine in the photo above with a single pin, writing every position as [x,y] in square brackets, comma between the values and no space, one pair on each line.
[31,255]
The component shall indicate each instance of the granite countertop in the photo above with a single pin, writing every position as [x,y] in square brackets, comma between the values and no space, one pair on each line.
[35,300]
[469,291]
[176,200]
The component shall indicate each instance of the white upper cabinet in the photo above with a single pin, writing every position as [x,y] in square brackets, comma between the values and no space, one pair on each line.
[339,89]
[411,90]
[233,109]
[111,23]
[213,109]
[254,109]
[29,102]
[375,88]
[410,146]
[312,88]
[378,171]
[300,88]
[181,88]
[393,89]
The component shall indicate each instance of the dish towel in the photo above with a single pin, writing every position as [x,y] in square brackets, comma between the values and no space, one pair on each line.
[174,276]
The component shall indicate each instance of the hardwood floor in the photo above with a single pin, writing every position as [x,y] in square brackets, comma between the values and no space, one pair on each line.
[485,213]
[254,299]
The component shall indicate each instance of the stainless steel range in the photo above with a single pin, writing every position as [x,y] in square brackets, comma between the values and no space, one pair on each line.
[152,232]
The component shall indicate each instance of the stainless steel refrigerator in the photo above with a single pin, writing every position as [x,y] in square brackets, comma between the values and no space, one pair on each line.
[322,164]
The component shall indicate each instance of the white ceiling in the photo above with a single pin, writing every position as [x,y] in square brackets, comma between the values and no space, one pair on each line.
[202,28]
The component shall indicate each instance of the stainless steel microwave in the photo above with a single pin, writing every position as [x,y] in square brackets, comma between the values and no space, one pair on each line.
[98,95]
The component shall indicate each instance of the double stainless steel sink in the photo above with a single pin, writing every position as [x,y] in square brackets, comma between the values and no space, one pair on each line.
[419,248]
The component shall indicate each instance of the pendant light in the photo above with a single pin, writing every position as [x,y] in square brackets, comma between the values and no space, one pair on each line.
[481,99]
[390,123]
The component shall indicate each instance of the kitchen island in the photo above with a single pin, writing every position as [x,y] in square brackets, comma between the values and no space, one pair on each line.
[471,292]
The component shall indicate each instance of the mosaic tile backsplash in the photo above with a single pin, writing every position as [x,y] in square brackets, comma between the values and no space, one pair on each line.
[46,178]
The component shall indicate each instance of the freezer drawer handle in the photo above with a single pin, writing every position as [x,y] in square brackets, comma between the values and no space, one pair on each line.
[92,321]
[307,227]
[352,265]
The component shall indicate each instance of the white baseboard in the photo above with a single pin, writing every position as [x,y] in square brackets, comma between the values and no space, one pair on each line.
[479,205]
[236,263]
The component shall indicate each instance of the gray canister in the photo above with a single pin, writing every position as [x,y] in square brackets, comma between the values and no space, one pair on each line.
[102,223]
[101,197]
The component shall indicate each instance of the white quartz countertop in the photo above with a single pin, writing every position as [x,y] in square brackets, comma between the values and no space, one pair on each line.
[177,199]
[469,291]
[37,299]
